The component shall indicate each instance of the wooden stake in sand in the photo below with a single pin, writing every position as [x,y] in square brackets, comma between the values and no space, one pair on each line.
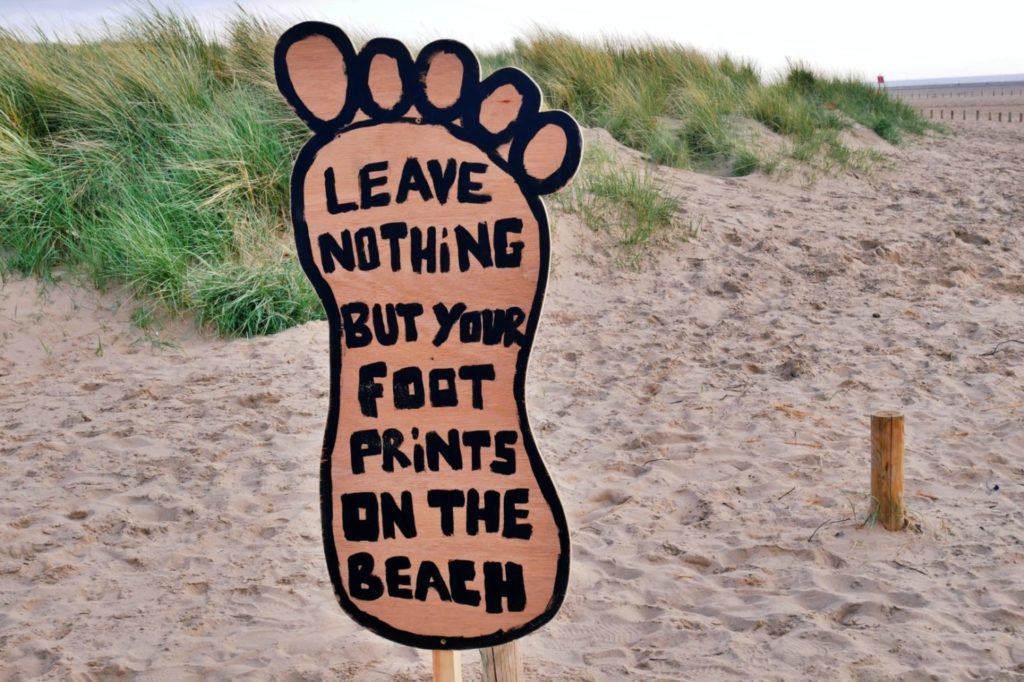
[502,663]
[447,666]
[887,469]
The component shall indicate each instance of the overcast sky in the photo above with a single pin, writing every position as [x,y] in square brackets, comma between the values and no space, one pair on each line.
[900,39]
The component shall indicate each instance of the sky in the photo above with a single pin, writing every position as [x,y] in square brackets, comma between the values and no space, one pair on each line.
[899,39]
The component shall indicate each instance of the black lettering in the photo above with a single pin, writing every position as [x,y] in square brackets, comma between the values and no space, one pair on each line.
[428,577]
[398,583]
[363,444]
[366,249]
[438,447]
[412,179]
[475,440]
[446,319]
[370,390]
[359,518]
[409,312]
[417,452]
[362,583]
[489,512]
[394,233]
[445,258]
[469,327]
[477,374]
[390,443]
[461,572]
[353,324]
[408,388]
[512,528]
[331,190]
[479,247]
[446,501]
[420,253]
[385,324]
[503,440]
[442,179]
[332,252]
[507,255]
[443,396]
[393,515]
[492,326]
[507,584]
[468,187]
[366,184]
[516,317]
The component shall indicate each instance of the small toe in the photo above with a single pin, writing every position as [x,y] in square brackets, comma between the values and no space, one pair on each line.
[548,151]
[447,70]
[508,99]
[313,64]
[388,69]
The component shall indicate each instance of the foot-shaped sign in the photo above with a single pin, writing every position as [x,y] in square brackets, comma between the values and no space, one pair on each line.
[418,220]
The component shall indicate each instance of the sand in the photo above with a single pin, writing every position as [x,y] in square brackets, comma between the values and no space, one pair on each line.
[705,418]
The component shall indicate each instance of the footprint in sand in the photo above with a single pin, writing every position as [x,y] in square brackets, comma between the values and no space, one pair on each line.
[418,221]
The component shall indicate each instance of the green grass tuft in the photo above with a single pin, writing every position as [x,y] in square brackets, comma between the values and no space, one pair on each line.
[623,201]
[675,104]
[250,300]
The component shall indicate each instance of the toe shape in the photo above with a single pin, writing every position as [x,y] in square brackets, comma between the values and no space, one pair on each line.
[313,64]
[388,69]
[547,152]
[447,70]
[507,100]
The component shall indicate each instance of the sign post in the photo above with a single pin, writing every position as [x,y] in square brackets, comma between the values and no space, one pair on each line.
[417,217]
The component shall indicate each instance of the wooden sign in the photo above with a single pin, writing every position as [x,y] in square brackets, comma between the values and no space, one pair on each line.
[418,220]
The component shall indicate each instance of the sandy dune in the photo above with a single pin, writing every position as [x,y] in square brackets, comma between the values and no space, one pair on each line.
[705,419]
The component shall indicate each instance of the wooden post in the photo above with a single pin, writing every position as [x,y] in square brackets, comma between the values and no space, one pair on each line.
[502,663]
[447,666]
[887,469]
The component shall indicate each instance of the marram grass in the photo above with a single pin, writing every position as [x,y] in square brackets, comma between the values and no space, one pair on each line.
[158,158]
[625,202]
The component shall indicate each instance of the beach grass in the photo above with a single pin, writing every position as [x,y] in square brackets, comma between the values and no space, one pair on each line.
[685,108]
[624,201]
[159,158]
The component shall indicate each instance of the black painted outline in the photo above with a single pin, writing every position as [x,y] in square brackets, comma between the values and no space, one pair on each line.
[324,132]
[348,58]
[406,73]
[527,89]
[470,80]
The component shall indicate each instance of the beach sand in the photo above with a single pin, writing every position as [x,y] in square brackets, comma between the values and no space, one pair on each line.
[705,418]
